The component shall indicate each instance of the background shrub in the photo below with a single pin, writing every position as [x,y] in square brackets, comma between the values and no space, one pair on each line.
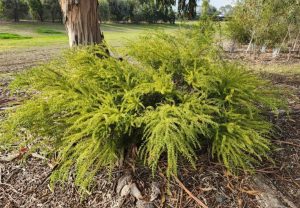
[271,23]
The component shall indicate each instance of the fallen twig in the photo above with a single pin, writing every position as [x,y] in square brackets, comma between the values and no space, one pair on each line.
[36,155]
[1,167]
[289,143]
[199,202]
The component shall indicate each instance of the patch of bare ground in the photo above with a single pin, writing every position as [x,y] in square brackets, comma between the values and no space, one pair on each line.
[24,183]
[16,60]
[282,180]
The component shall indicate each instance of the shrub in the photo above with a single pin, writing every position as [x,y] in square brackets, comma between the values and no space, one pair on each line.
[272,23]
[175,95]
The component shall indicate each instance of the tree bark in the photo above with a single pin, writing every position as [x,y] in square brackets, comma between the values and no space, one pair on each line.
[81,21]
[16,11]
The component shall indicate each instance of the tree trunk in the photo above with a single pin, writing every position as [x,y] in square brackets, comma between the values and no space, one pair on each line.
[16,16]
[41,15]
[16,11]
[81,21]
[53,15]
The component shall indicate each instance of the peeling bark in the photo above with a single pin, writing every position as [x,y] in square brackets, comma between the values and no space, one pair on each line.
[81,21]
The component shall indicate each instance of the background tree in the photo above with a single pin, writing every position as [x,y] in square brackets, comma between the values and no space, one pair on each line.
[53,8]
[145,12]
[226,10]
[164,7]
[104,11]
[208,10]
[192,5]
[187,8]
[36,9]
[181,8]
[13,9]
[120,10]
[137,11]
[82,21]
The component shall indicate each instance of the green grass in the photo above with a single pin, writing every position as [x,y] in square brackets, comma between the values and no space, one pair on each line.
[32,30]
[48,31]
[52,35]
[12,36]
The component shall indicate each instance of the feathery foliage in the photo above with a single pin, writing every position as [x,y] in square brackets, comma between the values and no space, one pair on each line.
[175,94]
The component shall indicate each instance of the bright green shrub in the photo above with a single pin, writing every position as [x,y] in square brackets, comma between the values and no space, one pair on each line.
[174,94]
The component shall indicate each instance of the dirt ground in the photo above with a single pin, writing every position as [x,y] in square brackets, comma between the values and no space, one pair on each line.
[24,183]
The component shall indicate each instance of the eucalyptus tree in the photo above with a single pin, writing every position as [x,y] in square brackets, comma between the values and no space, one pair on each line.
[187,8]
[165,7]
[36,9]
[82,21]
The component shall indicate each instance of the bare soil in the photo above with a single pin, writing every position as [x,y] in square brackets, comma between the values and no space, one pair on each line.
[25,183]
[16,60]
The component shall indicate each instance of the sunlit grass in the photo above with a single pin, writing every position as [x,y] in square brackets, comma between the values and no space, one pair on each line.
[49,34]
[6,36]
[15,36]
[34,42]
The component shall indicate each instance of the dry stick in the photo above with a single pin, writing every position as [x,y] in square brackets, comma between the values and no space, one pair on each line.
[296,41]
[250,43]
[232,47]
[199,202]
[286,36]
[289,143]
[1,173]
[290,50]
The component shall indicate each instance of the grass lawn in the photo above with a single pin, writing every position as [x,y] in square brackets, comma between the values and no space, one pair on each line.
[25,35]
[26,40]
